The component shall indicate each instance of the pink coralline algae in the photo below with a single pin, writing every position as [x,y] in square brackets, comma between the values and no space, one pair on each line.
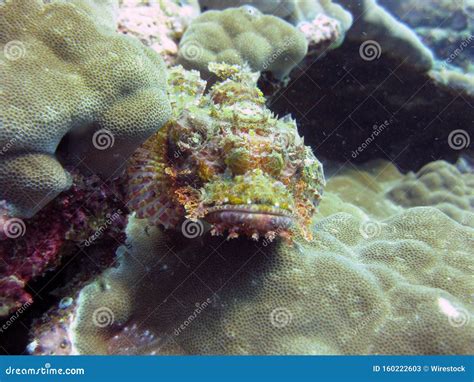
[88,213]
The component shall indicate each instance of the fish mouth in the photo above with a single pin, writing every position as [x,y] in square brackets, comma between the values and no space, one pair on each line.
[250,220]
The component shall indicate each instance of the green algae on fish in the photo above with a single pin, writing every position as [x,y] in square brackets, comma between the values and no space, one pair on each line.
[227,159]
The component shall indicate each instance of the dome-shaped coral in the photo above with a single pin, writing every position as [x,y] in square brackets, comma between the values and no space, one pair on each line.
[401,287]
[242,35]
[63,71]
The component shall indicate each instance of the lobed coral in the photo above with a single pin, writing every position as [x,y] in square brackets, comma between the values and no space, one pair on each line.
[403,288]
[441,185]
[323,22]
[374,23]
[377,279]
[68,77]
[294,11]
[242,35]
[380,190]
[445,26]
[226,159]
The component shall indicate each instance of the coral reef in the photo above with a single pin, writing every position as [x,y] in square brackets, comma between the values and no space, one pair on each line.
[29,248]
[364,108]
[294,11]
[158,24]
[242,35]
[69,78]
[445,26]
[378,278]
[441,185]
[380,190]
[402,287]
[228,160]
[374,23]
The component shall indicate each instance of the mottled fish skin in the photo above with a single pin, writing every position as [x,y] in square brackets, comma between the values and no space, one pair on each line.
[225,158]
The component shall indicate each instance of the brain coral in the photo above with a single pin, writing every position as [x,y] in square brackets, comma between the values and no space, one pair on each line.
[397,286]
[239,35]
[64,71]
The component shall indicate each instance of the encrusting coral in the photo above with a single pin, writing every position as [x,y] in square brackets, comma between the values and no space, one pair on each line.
[445,26]
[441,185]
[66,72]
[377,278]
[242,35]
[401,288]
[90,210]
[374,24]
[227,159]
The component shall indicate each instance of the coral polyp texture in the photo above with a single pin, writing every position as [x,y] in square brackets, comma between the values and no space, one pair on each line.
[441,185]
[242,35]
[228,160]
[66,73]
[295,11]
[401,287]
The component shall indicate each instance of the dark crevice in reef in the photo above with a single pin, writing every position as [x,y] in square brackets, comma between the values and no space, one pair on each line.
[72,271]
[340,100]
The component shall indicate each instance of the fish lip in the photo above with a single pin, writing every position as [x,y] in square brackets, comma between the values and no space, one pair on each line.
[255,209]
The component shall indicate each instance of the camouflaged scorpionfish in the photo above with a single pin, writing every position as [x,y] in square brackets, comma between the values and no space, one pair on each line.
[226,159]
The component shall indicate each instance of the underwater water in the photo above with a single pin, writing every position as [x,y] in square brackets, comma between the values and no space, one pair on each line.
[237,177]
